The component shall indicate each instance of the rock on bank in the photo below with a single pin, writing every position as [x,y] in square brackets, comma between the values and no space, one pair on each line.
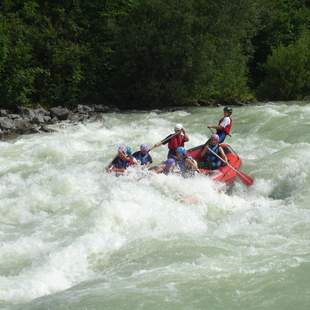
[24,120]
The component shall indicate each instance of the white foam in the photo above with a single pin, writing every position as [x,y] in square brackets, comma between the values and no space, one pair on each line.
[60,210]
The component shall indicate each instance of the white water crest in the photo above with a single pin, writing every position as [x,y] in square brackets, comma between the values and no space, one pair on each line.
[75,237]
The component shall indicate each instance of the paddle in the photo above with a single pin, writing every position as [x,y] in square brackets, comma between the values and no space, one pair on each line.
[246,179]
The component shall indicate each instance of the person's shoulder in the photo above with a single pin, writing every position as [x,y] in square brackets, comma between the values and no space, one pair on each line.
[226,120]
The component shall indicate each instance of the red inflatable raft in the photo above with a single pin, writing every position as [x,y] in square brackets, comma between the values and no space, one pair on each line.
[225,173]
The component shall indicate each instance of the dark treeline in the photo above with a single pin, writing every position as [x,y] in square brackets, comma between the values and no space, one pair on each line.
[147,53]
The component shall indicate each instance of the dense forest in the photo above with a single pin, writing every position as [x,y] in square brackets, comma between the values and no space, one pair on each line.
[152,53]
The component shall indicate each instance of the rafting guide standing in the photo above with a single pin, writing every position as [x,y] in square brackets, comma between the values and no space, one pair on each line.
[224,125]
[174,140]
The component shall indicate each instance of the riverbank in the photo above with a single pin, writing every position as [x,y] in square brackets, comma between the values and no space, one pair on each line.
[26,120]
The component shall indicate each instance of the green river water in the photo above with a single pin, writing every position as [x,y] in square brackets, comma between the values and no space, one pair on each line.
[74,237]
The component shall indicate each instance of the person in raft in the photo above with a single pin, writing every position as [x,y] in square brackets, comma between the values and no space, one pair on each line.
[174,140]
[187,165]
[166,167]
[225,124]
[122,160]
[143,157]
[211,153]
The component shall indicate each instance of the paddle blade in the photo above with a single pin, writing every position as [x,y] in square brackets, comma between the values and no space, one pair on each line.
[246,179]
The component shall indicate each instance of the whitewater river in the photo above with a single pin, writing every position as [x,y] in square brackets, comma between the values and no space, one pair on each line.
[74,237]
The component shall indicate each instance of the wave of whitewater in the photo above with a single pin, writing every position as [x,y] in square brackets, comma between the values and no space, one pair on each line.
[79,238]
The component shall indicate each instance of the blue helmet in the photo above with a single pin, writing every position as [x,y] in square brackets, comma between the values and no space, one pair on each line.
[128,150]
[144,148]
[181,150]
[169,163]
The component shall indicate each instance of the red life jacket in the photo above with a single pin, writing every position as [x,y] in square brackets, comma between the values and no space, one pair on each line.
[176,141]
[131,161]
[228,127]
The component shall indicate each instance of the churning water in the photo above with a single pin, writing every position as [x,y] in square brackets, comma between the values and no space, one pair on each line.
[74,237]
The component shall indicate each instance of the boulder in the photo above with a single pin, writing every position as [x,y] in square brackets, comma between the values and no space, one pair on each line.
[41,116]
[41,111]
[84,109]
[39,119]
[60,113]
[27,113]
[96,117]
[14,116]
[3,112]
[101,108]
[23,126]
[6,123]
[75,118]
[47,119]
[44,128]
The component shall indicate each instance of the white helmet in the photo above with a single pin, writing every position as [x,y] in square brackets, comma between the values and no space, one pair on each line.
[178,127]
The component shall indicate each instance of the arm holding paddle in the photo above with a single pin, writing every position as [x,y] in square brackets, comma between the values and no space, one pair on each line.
[162,142]
[178,130]
[186,138]
[220,149]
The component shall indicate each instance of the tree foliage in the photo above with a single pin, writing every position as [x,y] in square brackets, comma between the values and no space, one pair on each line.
[288,70]
[147,53]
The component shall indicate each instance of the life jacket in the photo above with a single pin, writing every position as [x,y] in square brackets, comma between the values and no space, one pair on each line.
[120,163]
[143,159]
[175,142]
[227,129]
[209,156]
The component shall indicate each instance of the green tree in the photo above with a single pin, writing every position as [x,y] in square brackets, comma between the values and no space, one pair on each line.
[281,22]
[288,71]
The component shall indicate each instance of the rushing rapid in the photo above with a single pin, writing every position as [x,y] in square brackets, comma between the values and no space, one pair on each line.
[74,237]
